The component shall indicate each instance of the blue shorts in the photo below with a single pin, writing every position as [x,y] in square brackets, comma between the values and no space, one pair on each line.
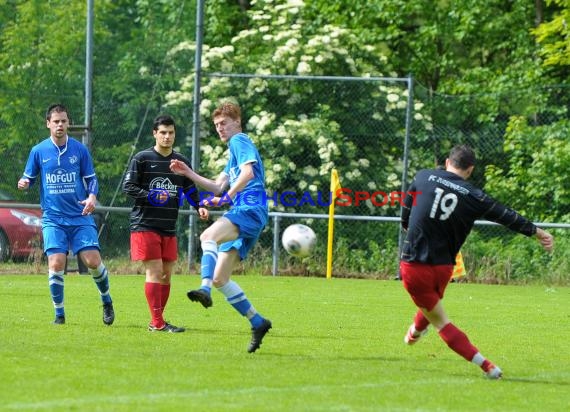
[250,222]
[61,238]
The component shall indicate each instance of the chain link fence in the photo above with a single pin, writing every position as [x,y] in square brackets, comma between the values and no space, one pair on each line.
[304,127]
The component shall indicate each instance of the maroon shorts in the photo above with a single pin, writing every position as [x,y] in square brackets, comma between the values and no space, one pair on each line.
[425,283]
[151,245]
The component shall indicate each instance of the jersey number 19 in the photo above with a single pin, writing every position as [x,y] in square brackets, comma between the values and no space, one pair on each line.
[445,203]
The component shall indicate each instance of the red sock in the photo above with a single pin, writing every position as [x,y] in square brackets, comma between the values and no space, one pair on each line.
[420,321]
[164,294]
[458,341]
[487,364]
[153,298]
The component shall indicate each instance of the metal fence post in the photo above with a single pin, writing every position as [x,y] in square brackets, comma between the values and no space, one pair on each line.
[192,222]
[409,110]
[275,266]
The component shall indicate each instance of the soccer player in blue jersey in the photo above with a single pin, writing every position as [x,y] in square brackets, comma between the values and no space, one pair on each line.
[68,194]
[230,238]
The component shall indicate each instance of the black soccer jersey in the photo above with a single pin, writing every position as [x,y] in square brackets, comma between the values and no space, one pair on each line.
[441,213]
[148,180]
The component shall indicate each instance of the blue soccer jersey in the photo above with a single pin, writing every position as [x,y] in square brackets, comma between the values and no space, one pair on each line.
[62,171]
[250,212]
[243,151]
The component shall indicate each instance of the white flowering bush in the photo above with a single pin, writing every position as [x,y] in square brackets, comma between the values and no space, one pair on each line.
[304,128]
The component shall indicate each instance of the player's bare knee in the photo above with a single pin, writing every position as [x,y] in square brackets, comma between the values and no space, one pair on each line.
[204,237]
[91,261]
[218,282]
[56,268]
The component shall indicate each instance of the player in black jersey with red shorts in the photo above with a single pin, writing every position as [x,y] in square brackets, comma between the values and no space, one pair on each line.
[437,219]
[157,193]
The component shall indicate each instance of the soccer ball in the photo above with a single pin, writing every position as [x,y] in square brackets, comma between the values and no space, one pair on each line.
[299,240]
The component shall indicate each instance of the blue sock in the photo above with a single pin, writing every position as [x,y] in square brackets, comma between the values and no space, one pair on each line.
[208,264]
[236,297]
[56,289]
[101,278]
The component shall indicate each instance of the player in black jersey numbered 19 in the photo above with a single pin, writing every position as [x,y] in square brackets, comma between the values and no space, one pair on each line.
[437,221]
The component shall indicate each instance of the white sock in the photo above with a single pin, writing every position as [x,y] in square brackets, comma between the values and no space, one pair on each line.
[478,359]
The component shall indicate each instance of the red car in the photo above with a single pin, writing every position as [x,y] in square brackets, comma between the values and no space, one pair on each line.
[20,230]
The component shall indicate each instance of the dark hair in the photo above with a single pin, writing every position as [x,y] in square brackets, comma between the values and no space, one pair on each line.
[163,119]
[56,108]
[462,157]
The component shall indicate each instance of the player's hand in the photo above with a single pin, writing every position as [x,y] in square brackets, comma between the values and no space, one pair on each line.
[23,184]
[545,239]
[211,201]
[88,206]
[180,168]
[203,213]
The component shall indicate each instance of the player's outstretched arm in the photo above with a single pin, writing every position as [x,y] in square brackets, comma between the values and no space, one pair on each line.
[214,186]
[545,239]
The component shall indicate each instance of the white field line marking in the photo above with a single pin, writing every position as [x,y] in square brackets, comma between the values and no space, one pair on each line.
[98,400]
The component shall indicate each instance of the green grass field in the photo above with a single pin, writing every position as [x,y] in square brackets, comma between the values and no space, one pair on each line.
[336,345]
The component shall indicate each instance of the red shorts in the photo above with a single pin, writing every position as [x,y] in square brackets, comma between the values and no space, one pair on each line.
[425,283]
[151,245]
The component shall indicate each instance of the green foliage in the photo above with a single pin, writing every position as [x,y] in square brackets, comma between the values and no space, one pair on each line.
[110,167]
[376,258]
[511,258]
[532,174]
[459,47]
[492,255]
[134,72]
[554,37]
[49,65]
[134,69]
[42,56]
[303,130]
[42,60]
[224,19]
[475,67]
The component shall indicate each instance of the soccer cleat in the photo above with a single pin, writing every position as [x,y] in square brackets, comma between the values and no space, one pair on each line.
[108,313]
[200,295]
[59,320]
[493,372]
[166,328]
[257,335]
[410,339]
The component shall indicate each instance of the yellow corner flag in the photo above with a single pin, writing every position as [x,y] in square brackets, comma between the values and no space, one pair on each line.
[459,268]
[335,186]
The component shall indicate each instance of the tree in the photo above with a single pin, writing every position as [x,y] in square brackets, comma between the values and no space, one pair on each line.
[536,148]
[554,39]
[532,176]
[303,128]
[133,71]
[41,61]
